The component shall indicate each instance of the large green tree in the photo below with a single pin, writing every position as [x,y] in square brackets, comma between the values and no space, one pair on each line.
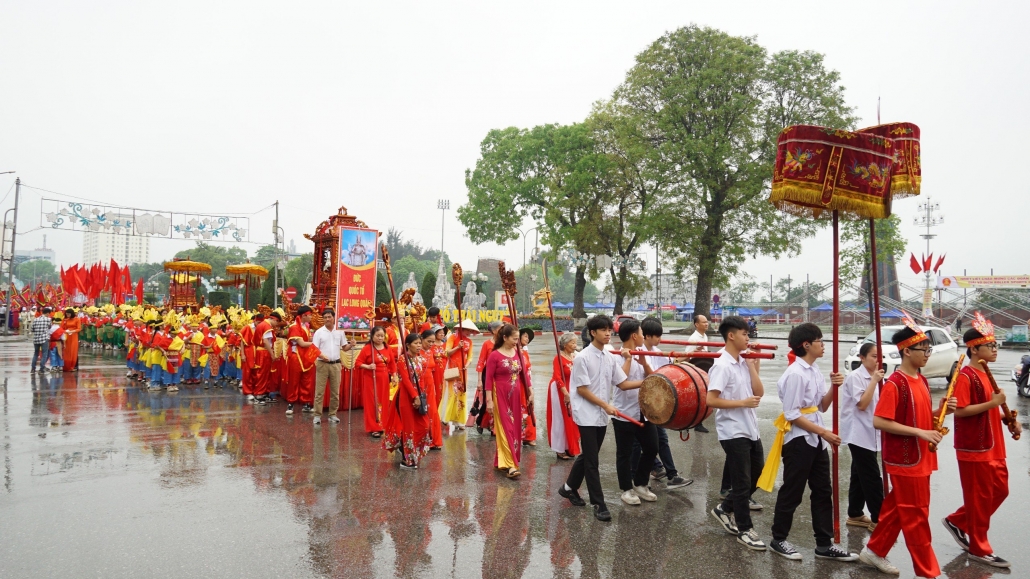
[37,271]
[703,109]
[298,273]
[554,175]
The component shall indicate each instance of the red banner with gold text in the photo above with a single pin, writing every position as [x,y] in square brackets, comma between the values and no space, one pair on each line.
[356,284]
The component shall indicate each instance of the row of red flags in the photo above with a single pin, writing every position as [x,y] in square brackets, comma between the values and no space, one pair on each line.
[925,266]
[97,278]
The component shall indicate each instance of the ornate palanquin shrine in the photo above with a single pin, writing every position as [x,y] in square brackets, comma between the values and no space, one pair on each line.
[184,279]
[327,257]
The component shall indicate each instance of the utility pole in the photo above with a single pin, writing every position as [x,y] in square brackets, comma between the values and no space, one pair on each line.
[275,257]
[657,282]
[928,220]
[443,205]
[10,256]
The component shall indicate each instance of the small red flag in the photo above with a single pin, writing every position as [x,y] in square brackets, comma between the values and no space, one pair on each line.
[927,261]
[914,263]
[139,291]
[940,261]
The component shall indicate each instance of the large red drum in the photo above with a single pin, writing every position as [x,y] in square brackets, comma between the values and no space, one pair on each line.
[674,396]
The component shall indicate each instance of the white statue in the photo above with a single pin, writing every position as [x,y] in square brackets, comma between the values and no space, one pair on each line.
[473,300]
[327,256]
[358,253]
[443,294]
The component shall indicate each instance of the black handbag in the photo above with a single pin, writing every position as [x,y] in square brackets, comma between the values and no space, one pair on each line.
[423,405]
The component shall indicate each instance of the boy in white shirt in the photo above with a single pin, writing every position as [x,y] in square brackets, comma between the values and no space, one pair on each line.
[633,481]
[594,377]
[805,397]
[735,390]
[858,398]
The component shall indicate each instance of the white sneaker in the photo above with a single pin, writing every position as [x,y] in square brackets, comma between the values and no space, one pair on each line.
[250,397]
[874,560]
[645,494]
[630,498]
[750,540]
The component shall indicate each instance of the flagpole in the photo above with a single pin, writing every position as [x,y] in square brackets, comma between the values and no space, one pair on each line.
[10,262]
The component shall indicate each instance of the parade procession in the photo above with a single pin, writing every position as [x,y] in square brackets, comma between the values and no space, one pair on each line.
[664,333]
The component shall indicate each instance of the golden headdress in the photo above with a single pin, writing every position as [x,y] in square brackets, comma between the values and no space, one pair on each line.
[986,329]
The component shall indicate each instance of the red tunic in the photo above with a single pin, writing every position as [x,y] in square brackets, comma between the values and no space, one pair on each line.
[375,386]
[980,437]
[406,429]
[906,400]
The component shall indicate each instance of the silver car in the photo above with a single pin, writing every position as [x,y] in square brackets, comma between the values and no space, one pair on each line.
[943,360]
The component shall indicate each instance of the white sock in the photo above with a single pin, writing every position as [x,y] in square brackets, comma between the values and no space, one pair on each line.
[567,487]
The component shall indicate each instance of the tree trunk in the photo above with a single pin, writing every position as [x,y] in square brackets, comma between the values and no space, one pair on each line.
[708,259]
[620,290]
[577,295]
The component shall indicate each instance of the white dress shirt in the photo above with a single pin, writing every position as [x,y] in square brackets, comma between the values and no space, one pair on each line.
[657,362]
[856,426]
[599,371]
[628,401]
[732,379]
[329,342]
[801,386]
[697,337]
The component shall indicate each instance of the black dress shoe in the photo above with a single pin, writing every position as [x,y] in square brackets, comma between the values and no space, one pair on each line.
[601,513]
[700,428]
[573,496]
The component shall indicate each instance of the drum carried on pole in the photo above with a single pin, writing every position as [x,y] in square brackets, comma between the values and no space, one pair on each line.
[674,396]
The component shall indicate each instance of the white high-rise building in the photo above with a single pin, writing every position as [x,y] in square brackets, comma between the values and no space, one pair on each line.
[100,247]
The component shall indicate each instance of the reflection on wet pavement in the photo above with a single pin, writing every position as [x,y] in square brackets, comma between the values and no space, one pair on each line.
[101,478]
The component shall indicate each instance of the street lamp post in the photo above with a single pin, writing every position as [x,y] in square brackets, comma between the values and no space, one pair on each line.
[443,205]
[536,245]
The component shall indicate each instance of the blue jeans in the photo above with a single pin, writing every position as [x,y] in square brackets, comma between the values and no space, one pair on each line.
[55,359]
[40,353]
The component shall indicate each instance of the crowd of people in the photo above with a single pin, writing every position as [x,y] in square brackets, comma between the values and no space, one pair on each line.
[414,384]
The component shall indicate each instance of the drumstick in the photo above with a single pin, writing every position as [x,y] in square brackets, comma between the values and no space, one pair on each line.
[752,346]
[1007,416]
[630,420]
[755,355]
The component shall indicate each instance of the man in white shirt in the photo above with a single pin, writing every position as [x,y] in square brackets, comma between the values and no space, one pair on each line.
[595,376]
[735,390]
[858,398]
[330,342]
[701,335]
[633,481]
[805,396]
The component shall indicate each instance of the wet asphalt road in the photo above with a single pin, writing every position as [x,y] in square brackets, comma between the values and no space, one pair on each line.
[101,479]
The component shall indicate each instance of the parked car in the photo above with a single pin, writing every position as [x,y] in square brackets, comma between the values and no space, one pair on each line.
[638,316]
[943,361]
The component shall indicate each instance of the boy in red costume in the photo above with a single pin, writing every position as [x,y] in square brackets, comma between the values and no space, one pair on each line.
[906,417]
[980,447]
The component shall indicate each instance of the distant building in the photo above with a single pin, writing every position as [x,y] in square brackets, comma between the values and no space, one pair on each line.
[23,255]
[100,247]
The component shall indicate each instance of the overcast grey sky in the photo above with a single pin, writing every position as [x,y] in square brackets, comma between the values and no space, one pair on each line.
[229,106]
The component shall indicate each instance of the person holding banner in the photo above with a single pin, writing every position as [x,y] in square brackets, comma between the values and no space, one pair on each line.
[562,432]
[803,441]
[529,422]
[379,363]
[407,430]
[458,352]
[503,391]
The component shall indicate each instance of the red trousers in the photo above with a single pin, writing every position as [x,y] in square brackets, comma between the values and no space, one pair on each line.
[906,509]
[261,376]
[247,376]
[299,385]
[985,485]
[374,393]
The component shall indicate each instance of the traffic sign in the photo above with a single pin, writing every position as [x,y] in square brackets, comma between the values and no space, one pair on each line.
[715,299]
[291,292]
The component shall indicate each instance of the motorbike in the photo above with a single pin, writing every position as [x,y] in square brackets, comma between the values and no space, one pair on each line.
[1021,376]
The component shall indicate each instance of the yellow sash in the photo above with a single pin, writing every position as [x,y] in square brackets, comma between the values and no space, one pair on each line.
[772,462]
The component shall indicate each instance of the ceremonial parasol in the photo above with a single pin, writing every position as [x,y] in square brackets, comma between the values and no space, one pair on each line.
[184,281]
[247,274]
[822,172]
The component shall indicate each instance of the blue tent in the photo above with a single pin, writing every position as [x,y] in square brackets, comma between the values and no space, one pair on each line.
[824,307]
[609,306]
[892,314]
[641,308]
[558,305]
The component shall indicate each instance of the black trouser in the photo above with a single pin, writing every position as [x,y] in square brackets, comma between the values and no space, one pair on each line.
[726,482]
[866,488]
[664,455]
[744,461]
[804,464]
[585,466]
[40,352]
[625,435]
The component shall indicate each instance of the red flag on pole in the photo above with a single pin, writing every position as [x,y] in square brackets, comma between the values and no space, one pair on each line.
[113,273]
[926,262]
[940,261]
[914,263]
[139,291]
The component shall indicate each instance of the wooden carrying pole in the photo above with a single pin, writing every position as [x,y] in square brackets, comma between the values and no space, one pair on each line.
[836,369]
[510,290]
[456,276]
[875,290]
